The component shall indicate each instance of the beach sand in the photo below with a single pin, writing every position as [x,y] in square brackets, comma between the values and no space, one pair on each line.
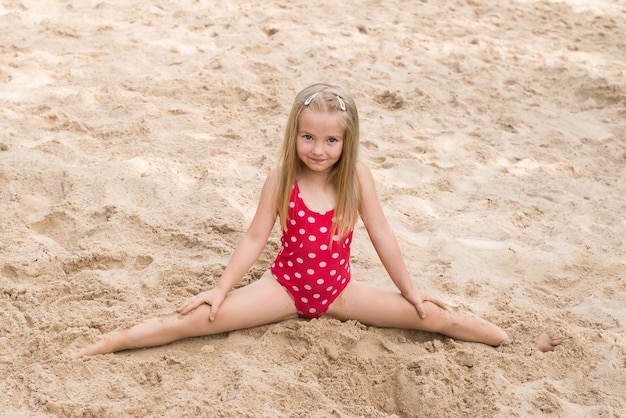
[135,137]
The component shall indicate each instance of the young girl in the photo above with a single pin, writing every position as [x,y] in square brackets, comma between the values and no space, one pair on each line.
[317,194]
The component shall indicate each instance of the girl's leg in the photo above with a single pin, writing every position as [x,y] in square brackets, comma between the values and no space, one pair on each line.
[261,302]
[383,308]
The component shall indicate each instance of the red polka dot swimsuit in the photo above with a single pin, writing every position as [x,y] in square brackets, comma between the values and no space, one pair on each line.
[311,270]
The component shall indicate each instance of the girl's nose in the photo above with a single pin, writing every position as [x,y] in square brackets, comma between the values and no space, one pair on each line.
[318,147]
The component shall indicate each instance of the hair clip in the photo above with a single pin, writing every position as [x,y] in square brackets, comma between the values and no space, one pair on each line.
[310,98]
[342,105]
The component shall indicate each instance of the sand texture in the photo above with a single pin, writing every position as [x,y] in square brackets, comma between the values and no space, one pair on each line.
[134,140]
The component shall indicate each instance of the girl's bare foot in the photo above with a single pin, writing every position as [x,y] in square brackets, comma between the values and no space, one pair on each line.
[549,340]
[76,354]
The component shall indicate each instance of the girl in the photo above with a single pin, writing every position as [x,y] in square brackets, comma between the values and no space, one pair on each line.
[317,194]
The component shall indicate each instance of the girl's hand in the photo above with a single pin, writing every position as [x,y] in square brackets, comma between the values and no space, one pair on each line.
[213,298]
[417,298]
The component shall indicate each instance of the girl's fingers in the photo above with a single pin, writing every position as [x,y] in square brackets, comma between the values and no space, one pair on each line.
[439,303]
[215,305]
[182,306]
[182,309]
[189,305]
[213,312]
[212,298]
[419,306]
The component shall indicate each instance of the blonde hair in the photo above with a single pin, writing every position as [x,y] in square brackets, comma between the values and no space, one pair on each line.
[323,97]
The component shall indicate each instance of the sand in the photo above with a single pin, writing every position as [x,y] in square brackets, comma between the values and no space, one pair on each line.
[135,137]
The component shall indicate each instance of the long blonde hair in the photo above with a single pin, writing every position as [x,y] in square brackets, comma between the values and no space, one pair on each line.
[322,97]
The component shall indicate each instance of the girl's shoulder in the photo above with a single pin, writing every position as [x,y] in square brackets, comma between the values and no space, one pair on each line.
[363,173]
[367,185]
[275,171]
[274,175]
[361,168]
[271,182]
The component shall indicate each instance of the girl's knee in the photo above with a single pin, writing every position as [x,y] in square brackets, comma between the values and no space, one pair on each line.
[439,319]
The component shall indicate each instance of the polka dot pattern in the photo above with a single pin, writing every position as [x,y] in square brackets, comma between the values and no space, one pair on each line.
[311,269]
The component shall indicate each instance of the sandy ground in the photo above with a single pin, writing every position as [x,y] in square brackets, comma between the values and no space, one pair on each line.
[135,137]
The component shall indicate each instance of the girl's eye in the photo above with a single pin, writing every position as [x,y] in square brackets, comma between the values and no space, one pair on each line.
[332,140]
[308,137]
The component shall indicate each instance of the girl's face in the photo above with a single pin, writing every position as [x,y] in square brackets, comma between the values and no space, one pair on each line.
[320,140]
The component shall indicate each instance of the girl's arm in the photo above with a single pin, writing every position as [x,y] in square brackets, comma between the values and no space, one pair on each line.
[251,245]
[385,243]
[246,253]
